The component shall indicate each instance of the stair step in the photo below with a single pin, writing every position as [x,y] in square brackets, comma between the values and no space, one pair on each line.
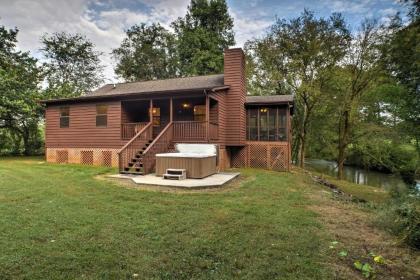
[175,171]
[174,176]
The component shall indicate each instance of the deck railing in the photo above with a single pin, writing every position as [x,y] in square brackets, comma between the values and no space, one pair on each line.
[189,131]
[213,131]
[128,130]
[129,150]
[159,145]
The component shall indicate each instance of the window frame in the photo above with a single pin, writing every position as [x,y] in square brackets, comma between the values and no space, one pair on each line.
[101,115]
[62,117]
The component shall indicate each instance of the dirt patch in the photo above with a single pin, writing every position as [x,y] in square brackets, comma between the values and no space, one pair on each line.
[351,225]
[230,186]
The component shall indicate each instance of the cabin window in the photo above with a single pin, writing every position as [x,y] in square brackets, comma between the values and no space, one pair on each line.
[266,124]
[101,115]
[64,117]
[200,113]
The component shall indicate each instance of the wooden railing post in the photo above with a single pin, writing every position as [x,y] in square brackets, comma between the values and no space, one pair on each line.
[151,111]
[207,117]
[171,110]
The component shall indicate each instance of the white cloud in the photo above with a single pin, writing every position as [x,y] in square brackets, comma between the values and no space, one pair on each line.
[246,28]
[357,7]
[105,28]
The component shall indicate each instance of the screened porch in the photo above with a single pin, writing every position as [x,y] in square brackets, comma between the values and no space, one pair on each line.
[267,123]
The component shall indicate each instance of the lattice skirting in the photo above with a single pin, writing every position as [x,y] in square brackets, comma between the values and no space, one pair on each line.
[86,156]
[267,155]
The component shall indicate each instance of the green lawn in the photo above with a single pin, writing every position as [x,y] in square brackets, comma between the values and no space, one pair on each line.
[60,222]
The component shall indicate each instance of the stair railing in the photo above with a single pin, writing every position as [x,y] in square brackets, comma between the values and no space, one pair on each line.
[159,145]
[129,150]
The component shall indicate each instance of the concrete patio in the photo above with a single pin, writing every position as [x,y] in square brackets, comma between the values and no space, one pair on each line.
[215,180]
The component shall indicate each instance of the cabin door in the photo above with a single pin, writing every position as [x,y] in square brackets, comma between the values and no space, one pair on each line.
[160,115]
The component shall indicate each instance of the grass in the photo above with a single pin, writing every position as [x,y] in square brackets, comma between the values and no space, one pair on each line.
[60,222]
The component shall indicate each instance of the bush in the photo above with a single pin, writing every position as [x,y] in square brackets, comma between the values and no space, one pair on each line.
[401,217]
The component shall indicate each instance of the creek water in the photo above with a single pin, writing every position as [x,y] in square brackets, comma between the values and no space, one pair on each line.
[356,175]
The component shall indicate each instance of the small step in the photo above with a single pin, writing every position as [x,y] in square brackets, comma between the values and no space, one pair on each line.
[176,171]
[174,176]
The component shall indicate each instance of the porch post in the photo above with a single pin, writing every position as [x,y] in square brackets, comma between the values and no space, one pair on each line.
[171,110]
[207,117]
[151,110]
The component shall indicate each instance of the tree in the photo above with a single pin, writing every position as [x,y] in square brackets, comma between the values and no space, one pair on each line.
[73,66]
[147,53]
[295,57]
[19,86]
[352,80]
[202,35]
[400,58]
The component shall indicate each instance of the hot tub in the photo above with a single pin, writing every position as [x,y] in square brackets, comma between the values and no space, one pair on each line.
[198,159]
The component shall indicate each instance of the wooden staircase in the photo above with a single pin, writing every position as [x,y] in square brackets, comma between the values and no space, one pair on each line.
[135,165]
[138,155]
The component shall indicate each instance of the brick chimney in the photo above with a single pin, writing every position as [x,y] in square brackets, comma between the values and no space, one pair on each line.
[234,74]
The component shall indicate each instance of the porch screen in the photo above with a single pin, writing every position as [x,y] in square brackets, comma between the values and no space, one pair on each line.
[266,123]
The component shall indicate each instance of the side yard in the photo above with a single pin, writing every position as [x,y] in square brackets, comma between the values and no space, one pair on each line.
[64,221]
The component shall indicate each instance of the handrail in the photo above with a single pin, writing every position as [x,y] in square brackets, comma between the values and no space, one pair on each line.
[158,137]
[129,130]
[160,144]
[135,137]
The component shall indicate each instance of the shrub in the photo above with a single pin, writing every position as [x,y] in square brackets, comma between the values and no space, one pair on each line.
[401,216]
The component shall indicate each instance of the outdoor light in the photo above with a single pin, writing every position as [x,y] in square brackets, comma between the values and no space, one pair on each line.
[263,110]
[154,111]
[186,105]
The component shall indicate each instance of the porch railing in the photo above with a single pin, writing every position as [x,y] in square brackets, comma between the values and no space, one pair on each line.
[213,131]
[189,131]
[159,145]
[129,150]
[128,130]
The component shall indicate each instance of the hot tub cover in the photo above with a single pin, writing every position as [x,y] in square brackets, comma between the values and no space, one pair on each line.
[203,149]
[185,155]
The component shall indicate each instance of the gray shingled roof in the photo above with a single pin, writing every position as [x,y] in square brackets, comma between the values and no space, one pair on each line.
[269,99]
[188,83]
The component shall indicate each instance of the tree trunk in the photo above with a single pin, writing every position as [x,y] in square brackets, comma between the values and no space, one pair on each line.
[26,142]
[302,136]
[343,133]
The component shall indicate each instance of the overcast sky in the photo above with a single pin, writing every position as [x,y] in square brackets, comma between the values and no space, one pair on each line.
[104,22]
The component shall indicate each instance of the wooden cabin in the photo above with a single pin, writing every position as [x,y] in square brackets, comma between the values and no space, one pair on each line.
[119,124]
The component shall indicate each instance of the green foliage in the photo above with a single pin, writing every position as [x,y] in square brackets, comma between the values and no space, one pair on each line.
[73,66]
[295,57]
[19,86]
[194,48]
[384,155]
[401,216]
[202,35]
[400,58]
[147,53]
[366,269]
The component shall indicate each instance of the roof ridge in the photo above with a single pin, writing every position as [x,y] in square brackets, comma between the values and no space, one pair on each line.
[158,80]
